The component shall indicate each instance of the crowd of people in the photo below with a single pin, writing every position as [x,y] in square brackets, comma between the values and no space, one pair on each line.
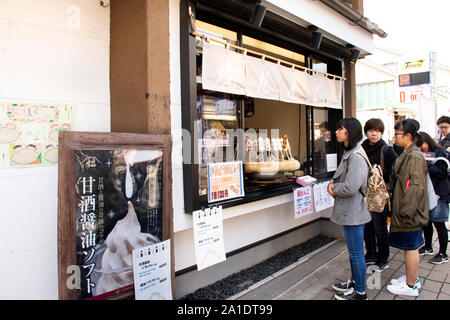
[415,171]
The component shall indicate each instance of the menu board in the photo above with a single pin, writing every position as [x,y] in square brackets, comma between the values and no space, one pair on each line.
[112,200]
[151,270]
[118,210]
[322,199]
[225,181]
[208,237]
[303,203]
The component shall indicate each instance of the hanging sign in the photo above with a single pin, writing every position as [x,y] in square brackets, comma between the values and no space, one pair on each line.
[151,272]
[261,78]
[222,69]
[208,237]
[294,85]
[322,199]
[225,181]
[303,201]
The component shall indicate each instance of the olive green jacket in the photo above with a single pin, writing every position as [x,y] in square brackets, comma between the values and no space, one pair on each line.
[410,204]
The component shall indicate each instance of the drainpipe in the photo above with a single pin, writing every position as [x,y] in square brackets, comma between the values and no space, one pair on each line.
[355,16]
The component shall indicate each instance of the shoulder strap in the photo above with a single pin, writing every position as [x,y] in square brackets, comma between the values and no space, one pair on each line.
[364,156]
[383,150]
[368,163]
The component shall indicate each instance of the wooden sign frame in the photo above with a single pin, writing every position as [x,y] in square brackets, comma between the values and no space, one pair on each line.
[69,142]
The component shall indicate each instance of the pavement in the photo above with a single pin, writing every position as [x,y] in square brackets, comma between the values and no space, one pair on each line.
[311,277]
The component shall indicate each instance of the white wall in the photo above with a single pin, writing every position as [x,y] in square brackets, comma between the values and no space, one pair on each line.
[48,53]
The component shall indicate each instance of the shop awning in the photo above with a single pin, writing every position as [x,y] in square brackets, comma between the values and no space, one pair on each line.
[229,71]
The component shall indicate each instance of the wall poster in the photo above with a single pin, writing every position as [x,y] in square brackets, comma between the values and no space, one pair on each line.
[29,133]
[112,200]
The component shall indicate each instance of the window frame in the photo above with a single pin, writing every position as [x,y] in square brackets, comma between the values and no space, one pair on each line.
[192,200]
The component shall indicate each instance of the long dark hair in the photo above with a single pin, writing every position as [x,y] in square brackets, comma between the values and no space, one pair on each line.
[354,131]
[432,144]
[411,126]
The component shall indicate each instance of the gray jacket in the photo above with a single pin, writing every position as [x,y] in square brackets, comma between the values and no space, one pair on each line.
[351,176]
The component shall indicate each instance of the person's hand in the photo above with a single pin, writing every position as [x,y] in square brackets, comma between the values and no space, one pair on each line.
[330,189]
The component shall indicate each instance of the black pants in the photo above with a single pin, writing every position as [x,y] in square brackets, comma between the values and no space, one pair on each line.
[442,235]
[376,236]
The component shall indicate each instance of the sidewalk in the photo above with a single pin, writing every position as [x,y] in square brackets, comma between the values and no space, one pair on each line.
[312,278]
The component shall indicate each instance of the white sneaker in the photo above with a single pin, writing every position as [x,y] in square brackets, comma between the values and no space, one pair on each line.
[403,279]
[403,289]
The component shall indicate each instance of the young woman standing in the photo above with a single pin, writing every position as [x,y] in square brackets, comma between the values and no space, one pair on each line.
[376,235]
[410,207]
[347,187]
[439,215]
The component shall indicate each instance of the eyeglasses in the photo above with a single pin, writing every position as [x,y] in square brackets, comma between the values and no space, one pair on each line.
[444,127]
[399,133]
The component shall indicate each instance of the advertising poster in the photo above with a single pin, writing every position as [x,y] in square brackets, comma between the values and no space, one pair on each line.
[29,133]
[303,201]
[151,269]
[208,237]
[118,210]
[225,181]
[322,199]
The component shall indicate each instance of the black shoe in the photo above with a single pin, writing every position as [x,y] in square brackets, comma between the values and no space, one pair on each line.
[439,258]
[427,251]
[350,295]
[344,286]
[381,266]
[371,260]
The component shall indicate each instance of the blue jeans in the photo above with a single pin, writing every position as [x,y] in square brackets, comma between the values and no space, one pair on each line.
[354,237]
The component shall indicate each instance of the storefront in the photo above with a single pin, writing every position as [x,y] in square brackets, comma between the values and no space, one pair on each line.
[137,67]
[228,113]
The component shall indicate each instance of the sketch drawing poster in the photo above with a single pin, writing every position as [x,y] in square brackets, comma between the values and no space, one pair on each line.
[208,237]
[322,199]
[29,133]
[303,201]
[151,271]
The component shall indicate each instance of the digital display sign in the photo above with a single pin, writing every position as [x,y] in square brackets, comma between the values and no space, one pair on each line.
[413,79]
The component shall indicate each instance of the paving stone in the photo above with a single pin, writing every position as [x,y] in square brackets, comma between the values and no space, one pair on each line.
[384,295]
[431,285]
[443,296]
[437,276]
[395,264]
[427,295]
[404,298]
[324,294]
[444,267]
[399,257]
[445,288]
[423,273]
[426,265]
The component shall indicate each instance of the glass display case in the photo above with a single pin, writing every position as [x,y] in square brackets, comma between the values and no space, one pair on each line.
[215,115]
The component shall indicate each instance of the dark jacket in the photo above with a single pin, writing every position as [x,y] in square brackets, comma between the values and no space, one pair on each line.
[439,175]
[410,206]
[445,142]
[374,154]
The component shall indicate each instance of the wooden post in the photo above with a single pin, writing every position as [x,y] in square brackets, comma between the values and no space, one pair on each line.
[140,66]
[349,89]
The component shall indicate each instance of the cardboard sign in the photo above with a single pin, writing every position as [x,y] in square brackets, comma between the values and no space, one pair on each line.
[225,181]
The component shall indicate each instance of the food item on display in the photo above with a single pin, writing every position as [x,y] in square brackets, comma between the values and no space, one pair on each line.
[274,156]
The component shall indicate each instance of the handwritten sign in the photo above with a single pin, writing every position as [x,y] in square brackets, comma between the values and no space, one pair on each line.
[208,237]
[151,271]
[303,201]
[322,199]
[225,181]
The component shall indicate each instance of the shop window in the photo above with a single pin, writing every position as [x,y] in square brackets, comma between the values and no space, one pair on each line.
[218,116]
